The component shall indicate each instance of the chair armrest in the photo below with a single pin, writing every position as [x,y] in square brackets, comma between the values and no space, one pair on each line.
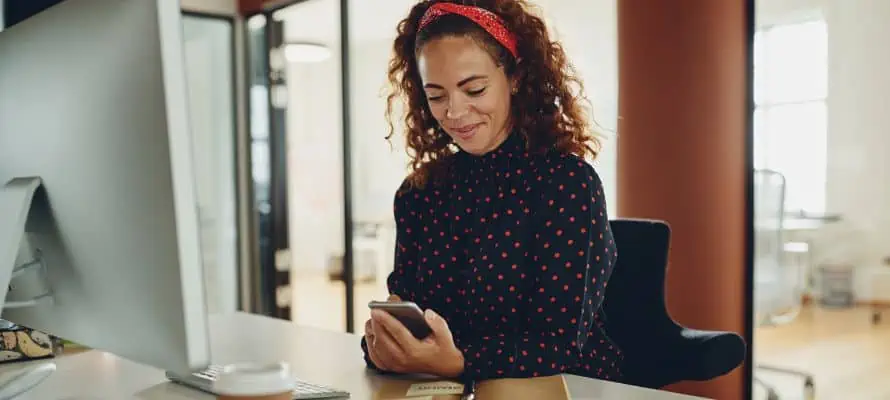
[709,354]
[675,355]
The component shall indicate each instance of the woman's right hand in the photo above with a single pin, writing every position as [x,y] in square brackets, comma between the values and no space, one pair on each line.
[371,333]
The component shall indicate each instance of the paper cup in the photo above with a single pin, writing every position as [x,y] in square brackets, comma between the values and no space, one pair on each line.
[255,382]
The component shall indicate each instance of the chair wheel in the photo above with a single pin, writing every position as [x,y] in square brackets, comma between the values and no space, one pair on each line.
[875,317]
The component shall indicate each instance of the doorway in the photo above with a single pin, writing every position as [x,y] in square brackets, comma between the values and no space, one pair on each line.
[300,168]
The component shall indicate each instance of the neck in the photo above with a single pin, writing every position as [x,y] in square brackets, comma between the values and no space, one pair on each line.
[501,137]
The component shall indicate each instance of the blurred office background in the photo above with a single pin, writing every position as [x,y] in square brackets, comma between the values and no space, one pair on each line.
[296,183]
[820,125]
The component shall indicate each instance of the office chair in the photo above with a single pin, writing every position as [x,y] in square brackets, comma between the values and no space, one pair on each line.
[658,351]
[778,283]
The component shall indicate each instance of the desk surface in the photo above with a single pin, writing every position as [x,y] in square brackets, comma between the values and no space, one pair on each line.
[329,358]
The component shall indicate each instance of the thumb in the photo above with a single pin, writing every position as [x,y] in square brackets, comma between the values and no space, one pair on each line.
[431,316]
[438,325]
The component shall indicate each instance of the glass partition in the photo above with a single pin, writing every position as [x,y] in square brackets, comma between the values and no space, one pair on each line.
[208,45]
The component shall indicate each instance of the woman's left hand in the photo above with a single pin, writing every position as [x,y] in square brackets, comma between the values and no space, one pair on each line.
[403,353]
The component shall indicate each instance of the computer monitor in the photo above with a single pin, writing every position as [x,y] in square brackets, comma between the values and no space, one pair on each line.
[97,184]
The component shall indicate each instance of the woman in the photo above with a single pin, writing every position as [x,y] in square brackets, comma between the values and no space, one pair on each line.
[502,233]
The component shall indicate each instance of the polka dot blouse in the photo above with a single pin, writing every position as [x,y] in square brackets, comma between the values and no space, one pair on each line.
[514,250]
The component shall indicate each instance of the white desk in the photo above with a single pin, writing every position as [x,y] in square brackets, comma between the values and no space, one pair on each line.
[329,358]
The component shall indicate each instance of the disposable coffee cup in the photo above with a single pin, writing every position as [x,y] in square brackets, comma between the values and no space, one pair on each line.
[255,382]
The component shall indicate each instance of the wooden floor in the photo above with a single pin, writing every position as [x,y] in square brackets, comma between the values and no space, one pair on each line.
[848,357]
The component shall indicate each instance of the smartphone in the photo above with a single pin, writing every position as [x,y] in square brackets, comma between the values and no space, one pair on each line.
[408,313]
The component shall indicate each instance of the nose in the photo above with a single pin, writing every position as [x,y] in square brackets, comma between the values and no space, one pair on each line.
[456,108]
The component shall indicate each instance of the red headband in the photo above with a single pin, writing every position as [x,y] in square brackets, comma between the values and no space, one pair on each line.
[491,22]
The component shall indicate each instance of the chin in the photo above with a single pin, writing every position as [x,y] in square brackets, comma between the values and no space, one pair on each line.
[471,146]
[478,144]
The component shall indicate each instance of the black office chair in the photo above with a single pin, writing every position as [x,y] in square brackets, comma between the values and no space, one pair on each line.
[658,351]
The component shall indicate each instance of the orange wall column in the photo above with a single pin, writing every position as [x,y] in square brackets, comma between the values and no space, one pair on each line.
[683,155]
[250,6]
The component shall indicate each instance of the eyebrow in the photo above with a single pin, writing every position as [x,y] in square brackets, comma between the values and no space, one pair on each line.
[461,83]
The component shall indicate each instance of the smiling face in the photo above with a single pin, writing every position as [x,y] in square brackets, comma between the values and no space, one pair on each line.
[467,92]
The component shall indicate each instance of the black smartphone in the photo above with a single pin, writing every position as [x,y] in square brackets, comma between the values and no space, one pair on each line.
[408,313]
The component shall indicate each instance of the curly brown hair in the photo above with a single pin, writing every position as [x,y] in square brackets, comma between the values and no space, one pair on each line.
[546,111]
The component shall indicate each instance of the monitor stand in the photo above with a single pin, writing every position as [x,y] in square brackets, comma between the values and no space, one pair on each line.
[17,199]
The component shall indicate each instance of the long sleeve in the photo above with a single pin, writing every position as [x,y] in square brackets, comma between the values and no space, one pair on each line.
[573,253]
[399,282]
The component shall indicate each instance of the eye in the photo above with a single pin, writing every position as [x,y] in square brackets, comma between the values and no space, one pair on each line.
[477,92]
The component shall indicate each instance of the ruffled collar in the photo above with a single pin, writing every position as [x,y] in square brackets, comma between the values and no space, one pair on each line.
[514,147]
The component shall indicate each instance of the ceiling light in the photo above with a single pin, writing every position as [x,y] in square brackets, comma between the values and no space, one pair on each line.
[256,22]
[306,52]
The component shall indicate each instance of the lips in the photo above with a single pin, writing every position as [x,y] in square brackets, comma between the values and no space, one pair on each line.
[466,131]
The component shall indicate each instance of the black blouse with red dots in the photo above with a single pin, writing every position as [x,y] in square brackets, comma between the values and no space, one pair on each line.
[514,250]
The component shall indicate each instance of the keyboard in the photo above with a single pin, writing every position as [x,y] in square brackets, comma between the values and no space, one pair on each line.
[203,380]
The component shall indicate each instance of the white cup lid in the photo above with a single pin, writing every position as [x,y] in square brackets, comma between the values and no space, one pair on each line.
[253,379]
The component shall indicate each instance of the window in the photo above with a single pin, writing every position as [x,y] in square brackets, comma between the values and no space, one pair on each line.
[790,114]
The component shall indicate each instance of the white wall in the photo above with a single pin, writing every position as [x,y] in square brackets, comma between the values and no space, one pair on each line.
[589,34]
[314,148]
[858,186]
[859,125]
[378,166]
[314,140]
